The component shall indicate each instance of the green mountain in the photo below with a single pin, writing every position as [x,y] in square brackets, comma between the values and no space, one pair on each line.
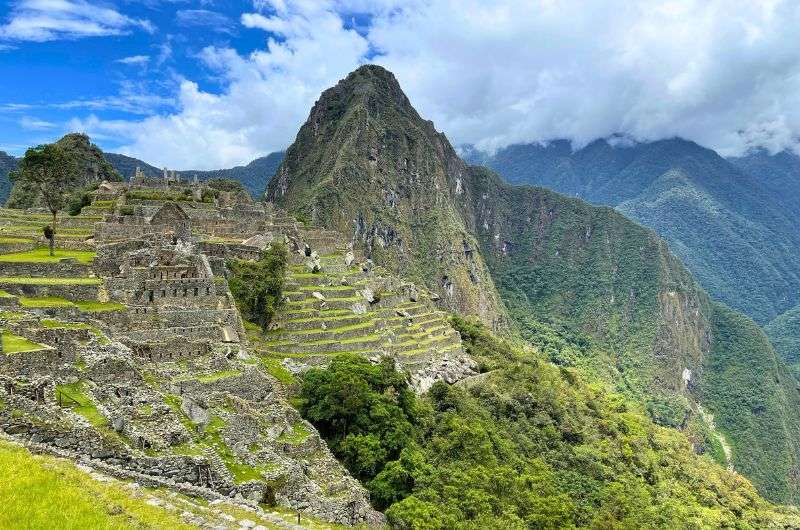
[254,176]
[613,284]
[732,223]
[93,166]
[784,334]
[365,163]
[7,164]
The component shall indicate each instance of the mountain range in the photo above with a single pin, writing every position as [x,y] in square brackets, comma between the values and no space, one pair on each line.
[365,163]
[613,386]
[253,176]
[732,221]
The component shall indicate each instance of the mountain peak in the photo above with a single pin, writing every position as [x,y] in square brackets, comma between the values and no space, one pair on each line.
[367,164]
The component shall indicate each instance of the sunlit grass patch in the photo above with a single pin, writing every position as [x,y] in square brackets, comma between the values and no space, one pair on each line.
[45,492]
[42,255]
[16,344]
[22,280]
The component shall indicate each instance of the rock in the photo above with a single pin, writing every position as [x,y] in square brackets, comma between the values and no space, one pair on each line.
[247,523]
[359,308]
[349,258]
[195,411]
[368,295]
[318,295]
[313,265]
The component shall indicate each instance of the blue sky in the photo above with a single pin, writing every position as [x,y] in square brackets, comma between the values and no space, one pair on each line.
[214,83]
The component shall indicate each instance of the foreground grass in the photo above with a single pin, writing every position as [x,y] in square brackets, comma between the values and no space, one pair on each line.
[42,255]
[44,492]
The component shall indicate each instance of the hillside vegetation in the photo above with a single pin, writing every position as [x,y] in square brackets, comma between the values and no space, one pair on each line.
[524,445]
[650,329]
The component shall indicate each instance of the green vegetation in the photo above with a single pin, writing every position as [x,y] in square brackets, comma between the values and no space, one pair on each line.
[258,286]
[16,344]
[364,411]
[43,255]
[757,414]
[74,395]
[43,301]
[93,306]
[531,445]
[45,492]
[784,334]
[48,173]
[19,280]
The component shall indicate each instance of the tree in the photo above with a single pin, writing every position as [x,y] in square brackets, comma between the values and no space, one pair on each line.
[257,286]
[51,172]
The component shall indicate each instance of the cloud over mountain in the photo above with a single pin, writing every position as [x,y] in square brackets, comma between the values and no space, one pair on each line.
[493,73]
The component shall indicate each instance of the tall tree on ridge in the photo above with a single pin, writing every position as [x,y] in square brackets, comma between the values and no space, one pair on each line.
[52,172]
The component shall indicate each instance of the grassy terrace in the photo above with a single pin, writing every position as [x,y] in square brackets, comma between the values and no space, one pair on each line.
[42,255]
[75,396]
[16,344]
[89,306]
[21,280]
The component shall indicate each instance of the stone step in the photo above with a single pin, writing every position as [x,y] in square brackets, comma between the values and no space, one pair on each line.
[330,303]
[316,322]
[433,342]
[349,331]
[289,313]
[369,342]
[441,344]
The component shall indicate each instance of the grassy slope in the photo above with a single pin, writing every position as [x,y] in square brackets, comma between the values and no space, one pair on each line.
[44,492]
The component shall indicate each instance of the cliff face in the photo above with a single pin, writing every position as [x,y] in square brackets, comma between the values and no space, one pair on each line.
[365,163]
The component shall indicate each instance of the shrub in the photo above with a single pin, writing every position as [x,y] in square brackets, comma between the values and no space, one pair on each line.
[257,286]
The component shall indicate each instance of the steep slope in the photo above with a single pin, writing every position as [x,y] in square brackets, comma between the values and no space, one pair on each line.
[7,164]
[254,176]
[736,234]
[784,334]
[650,329]
[93,167]
[366,164]
[778,174]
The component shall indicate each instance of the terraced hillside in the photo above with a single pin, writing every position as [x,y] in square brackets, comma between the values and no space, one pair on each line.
[126,347]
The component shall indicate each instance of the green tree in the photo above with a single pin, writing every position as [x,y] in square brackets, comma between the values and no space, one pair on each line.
[53,173]
[257,286]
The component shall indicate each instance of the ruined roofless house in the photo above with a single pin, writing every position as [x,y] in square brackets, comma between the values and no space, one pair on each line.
[172,215]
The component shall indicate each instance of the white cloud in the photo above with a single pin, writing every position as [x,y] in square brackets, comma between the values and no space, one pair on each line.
[35,124]
[725,73]
[46,20]
[204,18]
[139,60]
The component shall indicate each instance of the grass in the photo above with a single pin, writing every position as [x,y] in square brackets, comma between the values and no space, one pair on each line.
[4,294]
[75,395]
[45,492]
[216,376]
[89,306]
[13,240]
[42,255]
[298,435]
[278,371]
[44,301]
[22,280]
[93,306]
[16,344]
[58,324]
[10,316]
